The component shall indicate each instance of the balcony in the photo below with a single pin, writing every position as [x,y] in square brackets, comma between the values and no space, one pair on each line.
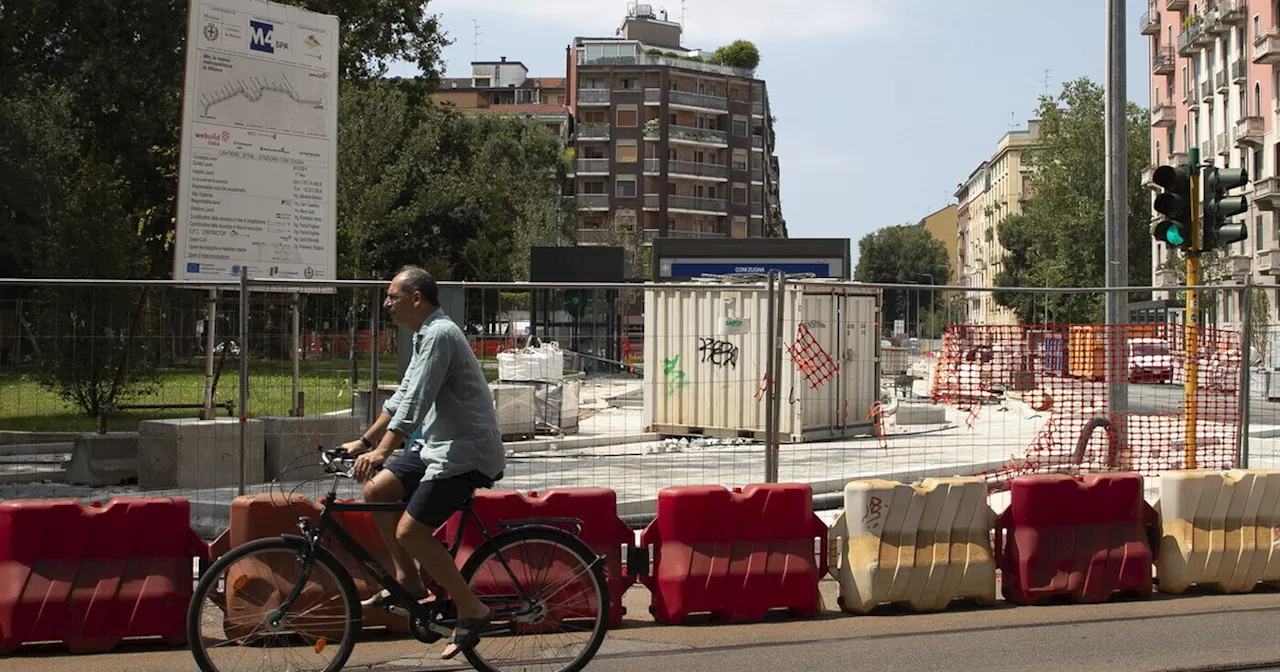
[1163,62]
[595,237]
[1266,193]
[757,175]
[1205,150]
[651,201]
[697,100]
[593,166]
[693,169]
[715,206]
[677,233]
[1233,12]
[699,136]
[652,166]
[1150,22]
[653,96]
[1224,145]
[1266,49]
[1240,72]
[1221,79]
[757,142]
[593,201]
[594,97]
[596,132]
[1206,92]
[757,109]
[1189,39]
[1178,158]
[667,61]
[1191,98]
[1269,262]
[1249,132]
[1163,115]
[1213,23]
[1175,5]
[1238,265]
[1167,277]
[757,209]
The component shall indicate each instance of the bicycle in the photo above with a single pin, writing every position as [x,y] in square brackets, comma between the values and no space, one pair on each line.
[240,582]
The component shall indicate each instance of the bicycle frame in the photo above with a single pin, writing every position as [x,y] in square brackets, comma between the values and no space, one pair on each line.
[327,525]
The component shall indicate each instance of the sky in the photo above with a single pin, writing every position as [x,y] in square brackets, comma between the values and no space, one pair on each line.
[883,106]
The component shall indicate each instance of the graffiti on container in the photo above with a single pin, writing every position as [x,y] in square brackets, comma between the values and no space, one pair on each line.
[719,353]
[815,324]
[674,375]
[874,508]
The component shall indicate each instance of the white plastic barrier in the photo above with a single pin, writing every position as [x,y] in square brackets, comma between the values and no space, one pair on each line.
[922,546]
[1221,529]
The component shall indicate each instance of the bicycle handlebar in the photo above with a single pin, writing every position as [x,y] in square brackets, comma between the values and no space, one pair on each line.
[337,461]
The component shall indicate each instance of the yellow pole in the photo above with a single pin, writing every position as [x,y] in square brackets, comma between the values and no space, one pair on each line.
[1192,321]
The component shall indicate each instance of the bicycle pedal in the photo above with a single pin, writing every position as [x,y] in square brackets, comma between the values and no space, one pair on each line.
[397,610]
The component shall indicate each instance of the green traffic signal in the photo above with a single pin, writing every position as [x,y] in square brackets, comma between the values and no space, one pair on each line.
[1175,204]
[1218,207]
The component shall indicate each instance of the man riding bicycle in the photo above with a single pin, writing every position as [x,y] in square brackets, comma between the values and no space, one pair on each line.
[445,394]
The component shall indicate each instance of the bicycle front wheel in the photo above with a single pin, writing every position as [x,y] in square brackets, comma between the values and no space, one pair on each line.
[547,591]
[236,622]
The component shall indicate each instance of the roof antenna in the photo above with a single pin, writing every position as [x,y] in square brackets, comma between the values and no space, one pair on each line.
[475,39]
[1046,82]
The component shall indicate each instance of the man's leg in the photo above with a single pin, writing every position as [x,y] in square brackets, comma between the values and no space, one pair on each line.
[439,565]
[387,486]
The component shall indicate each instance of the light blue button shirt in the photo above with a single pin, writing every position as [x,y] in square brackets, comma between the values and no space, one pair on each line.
[445,395]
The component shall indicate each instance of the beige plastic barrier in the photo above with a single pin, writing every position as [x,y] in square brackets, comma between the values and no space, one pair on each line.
[922,546]
[1221,529]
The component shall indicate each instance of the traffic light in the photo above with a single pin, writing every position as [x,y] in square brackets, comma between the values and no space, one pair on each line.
[1175,204]
[1218,207]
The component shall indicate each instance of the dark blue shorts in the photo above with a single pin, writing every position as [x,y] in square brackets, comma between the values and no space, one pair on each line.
[432,502]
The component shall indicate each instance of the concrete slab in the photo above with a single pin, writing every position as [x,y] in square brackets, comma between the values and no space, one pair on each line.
[192,454]
[104,459]
[290,443]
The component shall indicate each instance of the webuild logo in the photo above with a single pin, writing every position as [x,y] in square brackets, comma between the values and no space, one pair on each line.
[214,139]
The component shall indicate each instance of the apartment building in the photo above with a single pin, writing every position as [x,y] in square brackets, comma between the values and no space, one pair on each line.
[505,87]
[679,146]
[994,190]
[943,225]
[1215,86]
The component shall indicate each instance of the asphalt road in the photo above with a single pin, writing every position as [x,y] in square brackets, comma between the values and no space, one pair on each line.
[1162,634]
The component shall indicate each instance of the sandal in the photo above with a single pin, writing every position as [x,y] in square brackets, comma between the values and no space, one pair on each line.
[466,634]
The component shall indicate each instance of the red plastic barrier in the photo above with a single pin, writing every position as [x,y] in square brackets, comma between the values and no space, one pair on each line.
[602,530]
[1078,537]
[92,576]
[735,554]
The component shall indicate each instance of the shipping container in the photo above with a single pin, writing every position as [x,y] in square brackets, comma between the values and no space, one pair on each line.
[706,361]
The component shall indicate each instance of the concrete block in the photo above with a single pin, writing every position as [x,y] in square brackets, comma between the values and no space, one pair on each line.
[103,459]
[189,453]
[921,414]
[290,444]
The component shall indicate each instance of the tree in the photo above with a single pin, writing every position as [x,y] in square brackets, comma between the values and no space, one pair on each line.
[738,54]
[1059,238]
[89,150]
[905,254]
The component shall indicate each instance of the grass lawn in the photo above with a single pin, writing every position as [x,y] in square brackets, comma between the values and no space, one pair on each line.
[25,405]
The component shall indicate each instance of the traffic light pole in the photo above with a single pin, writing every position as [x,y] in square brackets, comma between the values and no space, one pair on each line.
[1191,332]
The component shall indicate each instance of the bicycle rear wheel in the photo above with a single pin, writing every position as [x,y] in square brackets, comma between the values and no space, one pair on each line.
[233,624]
[555,613]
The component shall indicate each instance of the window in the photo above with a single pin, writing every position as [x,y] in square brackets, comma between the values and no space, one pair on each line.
[673,119]
[626,186]
[626,152]
[482,82]
[1156,161]
[739,159]
[739,227]
[628,83]
[739,194]
[627,116]
[593,187]
[740,127]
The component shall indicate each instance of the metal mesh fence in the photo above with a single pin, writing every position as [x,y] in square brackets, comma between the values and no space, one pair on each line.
[656,385]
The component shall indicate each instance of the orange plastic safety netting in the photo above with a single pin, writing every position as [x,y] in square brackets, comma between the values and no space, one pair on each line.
[1061,374]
